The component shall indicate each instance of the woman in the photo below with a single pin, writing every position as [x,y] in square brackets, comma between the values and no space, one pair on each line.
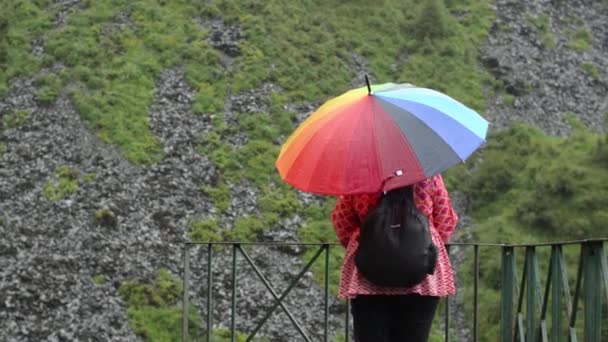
[387,314]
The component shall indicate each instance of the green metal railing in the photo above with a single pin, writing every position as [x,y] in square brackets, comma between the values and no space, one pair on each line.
[522,323]
[592,276]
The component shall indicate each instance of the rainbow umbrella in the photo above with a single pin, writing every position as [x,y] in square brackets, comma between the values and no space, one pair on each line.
[377,138]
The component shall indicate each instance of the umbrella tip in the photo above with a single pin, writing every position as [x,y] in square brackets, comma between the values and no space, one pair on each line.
[369,88]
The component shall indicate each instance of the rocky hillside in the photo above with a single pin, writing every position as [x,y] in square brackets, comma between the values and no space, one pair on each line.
[550,59]
[127,129]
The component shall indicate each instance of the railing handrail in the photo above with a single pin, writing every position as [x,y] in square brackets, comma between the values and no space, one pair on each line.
[517,322]
[481,244]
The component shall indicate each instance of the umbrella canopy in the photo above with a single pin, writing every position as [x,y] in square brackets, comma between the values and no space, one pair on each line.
[378,138]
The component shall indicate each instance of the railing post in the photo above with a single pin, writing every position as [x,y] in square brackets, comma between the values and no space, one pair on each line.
[508,286]
[593,292]
[209,291]
[446,333]
[531,293]
[577,290]
[326,308]
[347,322]
[545,301]
[556,294]
[475,292]
[185,303]
[520,330]
[604,262]
[233,311]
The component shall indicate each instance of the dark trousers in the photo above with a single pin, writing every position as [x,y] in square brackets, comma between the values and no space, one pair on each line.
[401,318]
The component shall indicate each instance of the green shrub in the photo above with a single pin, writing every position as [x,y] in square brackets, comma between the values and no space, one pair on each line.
[100,279]
[164,291]
[21,22]
[105,217]
[3,42]
[545,182]
[600,155]
[317,231]
[208,99]
[160,324]
[90,177]
[225,158]
[495,176]
[259,157]
[224,335]
[220,194]
[433,21]
[67,172]
[580,41]
[49,86]
[281,203]
[504,155]
[153,311]
[543,25]
[508,99]
[14,120]
[591,70]
[207,230]
[63,183]
[246,228]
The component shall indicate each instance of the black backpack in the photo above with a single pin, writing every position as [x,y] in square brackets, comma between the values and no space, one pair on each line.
[395,246]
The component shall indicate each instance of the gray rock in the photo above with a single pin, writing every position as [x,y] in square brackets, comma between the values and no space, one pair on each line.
[225,38]
[66,7]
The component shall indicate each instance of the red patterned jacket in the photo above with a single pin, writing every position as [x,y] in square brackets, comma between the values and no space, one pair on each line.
[431,197]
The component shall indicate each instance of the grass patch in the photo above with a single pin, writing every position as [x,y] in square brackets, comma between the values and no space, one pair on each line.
[100,279]
[90,177]
[20,23]
[49,87]
[543,26]
[508,100]
[14,120]
[153,311]
[105,217]
[580,41]
[591,70]
[155,314]
[206,230]
[63,183]
[220,194]
[224,335]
